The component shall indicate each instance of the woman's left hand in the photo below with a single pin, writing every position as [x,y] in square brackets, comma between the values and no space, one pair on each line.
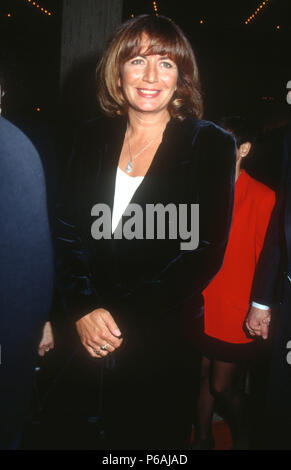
[47,340]
[99,333]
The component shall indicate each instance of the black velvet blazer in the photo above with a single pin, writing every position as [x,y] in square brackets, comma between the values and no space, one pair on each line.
[140,280]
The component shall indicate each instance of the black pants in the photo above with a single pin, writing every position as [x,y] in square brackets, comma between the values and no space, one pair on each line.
[278,411]
[148,396]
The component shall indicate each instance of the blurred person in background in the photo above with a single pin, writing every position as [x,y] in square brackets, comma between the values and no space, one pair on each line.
[225,346]
[274,269]
[26,277]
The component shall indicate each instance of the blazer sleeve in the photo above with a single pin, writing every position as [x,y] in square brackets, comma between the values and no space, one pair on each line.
[73,277]
[190,272]
[269,265]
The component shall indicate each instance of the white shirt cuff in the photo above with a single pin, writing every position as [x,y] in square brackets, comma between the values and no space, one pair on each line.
[260,306]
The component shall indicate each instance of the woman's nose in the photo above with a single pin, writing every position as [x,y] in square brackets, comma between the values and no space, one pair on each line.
[151,73]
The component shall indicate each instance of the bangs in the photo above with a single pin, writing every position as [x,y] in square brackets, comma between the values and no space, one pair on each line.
[148,35]
[164,43]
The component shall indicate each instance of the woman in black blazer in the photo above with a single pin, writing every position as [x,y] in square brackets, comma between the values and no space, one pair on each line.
[135,294]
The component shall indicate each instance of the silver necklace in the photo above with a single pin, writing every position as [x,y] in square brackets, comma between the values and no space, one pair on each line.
[128,168]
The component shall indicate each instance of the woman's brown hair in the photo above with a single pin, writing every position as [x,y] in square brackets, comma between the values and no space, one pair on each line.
[165,38]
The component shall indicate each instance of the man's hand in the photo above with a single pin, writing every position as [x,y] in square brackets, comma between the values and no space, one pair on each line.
[99,333]
[47,340]
[258,321]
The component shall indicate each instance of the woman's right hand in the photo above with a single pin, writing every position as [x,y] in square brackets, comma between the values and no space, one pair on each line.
[99,333]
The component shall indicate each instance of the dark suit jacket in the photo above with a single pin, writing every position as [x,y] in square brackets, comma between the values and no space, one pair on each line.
[26,274]
[275,261]
[144,282]
[274,268]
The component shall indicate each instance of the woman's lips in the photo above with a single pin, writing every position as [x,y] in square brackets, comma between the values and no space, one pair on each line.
[148,93]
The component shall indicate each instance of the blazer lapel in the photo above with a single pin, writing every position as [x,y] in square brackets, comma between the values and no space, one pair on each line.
[177,139]
[105,151]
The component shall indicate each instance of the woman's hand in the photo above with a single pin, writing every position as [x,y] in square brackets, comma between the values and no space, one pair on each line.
[47,340]
[99,333]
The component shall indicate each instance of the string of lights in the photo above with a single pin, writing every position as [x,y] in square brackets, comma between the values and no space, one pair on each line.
[42,10]
[260,8]
[155,8]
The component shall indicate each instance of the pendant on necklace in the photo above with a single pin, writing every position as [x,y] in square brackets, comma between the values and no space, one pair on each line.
[128,169]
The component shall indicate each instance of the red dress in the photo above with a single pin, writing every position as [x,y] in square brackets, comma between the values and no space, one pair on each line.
[227,297]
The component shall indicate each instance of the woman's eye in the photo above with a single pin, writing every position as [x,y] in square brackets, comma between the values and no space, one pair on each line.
[166,65]
[137,61]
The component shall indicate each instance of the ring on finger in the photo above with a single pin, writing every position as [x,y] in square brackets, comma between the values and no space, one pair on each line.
[96,352]
[104,348]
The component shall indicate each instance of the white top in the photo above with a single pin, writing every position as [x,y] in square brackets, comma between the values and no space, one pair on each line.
[125,187]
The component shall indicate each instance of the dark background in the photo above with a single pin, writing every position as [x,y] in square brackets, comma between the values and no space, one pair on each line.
[30,56]
[244,68]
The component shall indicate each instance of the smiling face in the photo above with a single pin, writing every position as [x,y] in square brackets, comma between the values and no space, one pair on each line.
[148,82]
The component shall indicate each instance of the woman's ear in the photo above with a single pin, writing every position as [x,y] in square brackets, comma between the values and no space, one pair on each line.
[119,82]
[244,149]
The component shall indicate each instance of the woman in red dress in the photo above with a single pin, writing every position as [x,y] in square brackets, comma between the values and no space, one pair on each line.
[224,343]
